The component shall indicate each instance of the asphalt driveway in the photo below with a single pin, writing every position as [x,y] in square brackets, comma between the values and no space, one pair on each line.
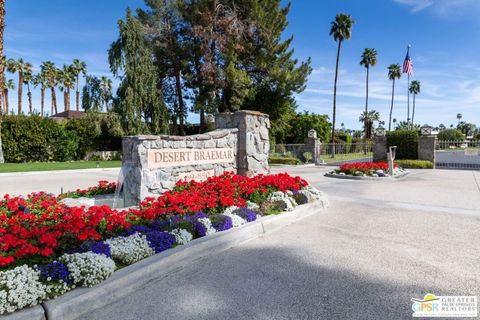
[378,245]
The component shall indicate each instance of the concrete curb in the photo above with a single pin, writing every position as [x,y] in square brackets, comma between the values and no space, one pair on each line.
[31,173]
[76,303]
[32,313]
[329,175]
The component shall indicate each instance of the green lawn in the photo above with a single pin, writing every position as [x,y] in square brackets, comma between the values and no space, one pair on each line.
[48,166]
[347,156]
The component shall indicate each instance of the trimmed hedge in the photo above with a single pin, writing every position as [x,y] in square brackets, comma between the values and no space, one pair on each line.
[283,160]
[451,135]
[38,139]
[33,138]
[406,142]
[414,164]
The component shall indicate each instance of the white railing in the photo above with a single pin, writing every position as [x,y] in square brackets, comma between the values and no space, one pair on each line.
[457,154]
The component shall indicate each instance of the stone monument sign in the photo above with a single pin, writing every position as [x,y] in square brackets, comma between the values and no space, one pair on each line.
[152,165]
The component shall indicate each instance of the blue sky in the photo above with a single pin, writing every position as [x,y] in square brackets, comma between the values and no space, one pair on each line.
[444,36]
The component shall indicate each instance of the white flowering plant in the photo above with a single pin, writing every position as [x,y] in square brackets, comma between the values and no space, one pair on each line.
[283,200]
[237,221]
[88,269]
[20,288]
[182,236]
[130,249]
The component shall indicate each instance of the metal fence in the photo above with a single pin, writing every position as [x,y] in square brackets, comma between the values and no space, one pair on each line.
[339,153]
[329,153]
[297,151]
[457,154]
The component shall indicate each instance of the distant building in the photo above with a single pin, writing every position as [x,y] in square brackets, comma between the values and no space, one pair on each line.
[66,115]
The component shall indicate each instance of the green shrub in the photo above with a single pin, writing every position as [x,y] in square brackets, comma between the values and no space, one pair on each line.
[451,135]
[301,123]
[406,142]
[33,138]
[343,137]
[283,160]
[308,156]
[96,131]
[414,164]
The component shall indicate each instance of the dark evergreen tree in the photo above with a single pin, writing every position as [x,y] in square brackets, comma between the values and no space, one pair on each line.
[224,55]
[140,103]
[92,95]
[165,30]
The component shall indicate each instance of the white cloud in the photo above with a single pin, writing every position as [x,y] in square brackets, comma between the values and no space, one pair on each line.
[417,5]
[443,95]
[450,9]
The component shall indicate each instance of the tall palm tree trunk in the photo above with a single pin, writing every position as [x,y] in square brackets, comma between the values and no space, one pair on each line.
[77,94]
[42,100]
[54,101]
[334,116]
[366,113]
[20,91]
[30,103]
[391,106]
[413,110]
[5,96]
[2,70]
[65,104]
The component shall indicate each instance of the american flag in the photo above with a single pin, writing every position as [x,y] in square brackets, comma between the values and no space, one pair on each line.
[408,65]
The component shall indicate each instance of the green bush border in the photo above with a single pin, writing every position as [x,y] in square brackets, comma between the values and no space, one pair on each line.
[414,164]
[283,160]
[406,142]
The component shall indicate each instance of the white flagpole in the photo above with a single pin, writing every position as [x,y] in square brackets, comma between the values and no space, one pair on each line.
[408,88]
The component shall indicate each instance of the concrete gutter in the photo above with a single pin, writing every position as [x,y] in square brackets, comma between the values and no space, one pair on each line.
[74,304]
[32,313]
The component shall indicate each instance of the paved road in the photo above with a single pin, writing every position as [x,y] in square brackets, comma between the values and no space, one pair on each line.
[377,246]
[53,181]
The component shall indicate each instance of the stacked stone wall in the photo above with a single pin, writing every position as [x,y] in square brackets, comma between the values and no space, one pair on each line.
[152,165]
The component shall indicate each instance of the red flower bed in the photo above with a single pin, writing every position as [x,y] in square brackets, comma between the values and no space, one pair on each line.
[38,228]
[364,167]
[103,187]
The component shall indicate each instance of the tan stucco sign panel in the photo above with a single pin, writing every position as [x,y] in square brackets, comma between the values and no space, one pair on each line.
[161,158]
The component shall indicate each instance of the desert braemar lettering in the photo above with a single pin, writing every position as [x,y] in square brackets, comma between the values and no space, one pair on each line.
[159,158]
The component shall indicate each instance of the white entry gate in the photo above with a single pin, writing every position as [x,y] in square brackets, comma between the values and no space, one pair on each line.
[457,155]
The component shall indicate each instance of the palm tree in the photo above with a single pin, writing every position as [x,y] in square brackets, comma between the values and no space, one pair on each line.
[369,58]
[414,90]
[78,67]
[369,119]
[27,79]
[2,67]
[106,90]
[406,125]
[459,117]
[8,85]
[51,74]
[341,30]
[40,80]
[21,67]
[66,80]
[393,73]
